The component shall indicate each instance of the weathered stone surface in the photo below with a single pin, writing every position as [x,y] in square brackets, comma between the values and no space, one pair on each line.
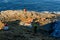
[11,15]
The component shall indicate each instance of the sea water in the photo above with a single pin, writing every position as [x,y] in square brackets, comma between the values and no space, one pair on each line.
[33,5]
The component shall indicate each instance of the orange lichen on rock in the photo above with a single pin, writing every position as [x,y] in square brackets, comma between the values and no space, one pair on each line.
[43,19]
[1,25]
[29,20]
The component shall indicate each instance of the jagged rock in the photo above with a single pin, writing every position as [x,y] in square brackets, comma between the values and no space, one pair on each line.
[20,15]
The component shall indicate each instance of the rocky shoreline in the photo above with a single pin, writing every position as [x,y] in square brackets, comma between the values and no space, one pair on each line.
[20,32]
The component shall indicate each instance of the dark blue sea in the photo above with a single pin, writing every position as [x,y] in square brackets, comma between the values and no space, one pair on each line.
[33,5]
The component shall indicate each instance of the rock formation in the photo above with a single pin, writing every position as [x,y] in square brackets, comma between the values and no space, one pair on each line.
[28,16]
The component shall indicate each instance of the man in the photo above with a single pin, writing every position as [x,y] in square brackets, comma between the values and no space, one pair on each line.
[35,26]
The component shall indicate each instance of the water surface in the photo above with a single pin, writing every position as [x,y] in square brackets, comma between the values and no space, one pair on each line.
[35,5]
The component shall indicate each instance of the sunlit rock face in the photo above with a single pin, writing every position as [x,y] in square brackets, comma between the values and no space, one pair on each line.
[11,15]
[1,25]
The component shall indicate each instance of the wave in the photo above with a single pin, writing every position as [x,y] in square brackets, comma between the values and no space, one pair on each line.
[55,12]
